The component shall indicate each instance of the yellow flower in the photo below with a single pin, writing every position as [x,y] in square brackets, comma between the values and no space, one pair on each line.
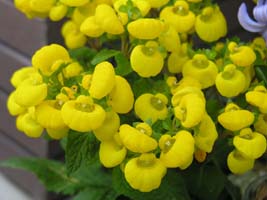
[143,5]
[146,28]
[250,144]
[206,134]
[185,82]
[177,151]
[57,133]
[68,27]
[151,107]
[14,108]
[157,3]
[44,58]
[28,124]
[103,80]
[121,97]
[211,24]
[230,82]
[48,114]
[74,3]
[106,17]
[31,91]
[234,118]
[242,56]
[82,114]
[75,39]
[179,16]
[190,110]
[42,6]
[170,40]
[177,59]
[258,45]
[239,164]
[90,28]
[200,68]
[261,124]
[109,127]
[111,153]
[22,74]
[146,59]
[58,12]
[183,91]
[258,98]
[144,173]
[72,70]
[137,139]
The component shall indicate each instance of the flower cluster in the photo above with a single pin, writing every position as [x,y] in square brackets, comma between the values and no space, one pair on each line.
[148,131]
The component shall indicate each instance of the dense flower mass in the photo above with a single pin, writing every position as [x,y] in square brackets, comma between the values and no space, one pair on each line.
[132,78]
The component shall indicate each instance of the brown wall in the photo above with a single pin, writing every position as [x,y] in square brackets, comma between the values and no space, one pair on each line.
[19,38]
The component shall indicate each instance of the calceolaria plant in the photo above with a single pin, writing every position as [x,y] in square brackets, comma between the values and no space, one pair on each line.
[140,111]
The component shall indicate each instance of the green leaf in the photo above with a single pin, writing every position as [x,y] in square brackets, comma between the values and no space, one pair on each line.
[123,67]
[104,55]
[172,187]
[81,149]
[51,173]
[261,73]
[83,53]
[96,193]
[205,181]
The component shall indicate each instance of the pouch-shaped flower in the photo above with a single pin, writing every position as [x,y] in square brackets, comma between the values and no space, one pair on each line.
[57,133]
[185,82]
[238,164]
[241,56]
[146,60]
[151,107]
[211,24]
[170,39]
[44,58]
[250,144]
[103,80]
[30,126]
[83,114]
[261,124]
[206,134]
[58,12]
[90,28]
[146,28]
[190,110]
[106,17]
[109,127]
[258,98]
[157,3]
[230,82]
[21,74]
[111,153]
[42,6]
[177,151]
[31,91]
[144,173]
[121,97]
[179,16]
[14,108]
[137,140]
[200,67]
[74,3]
[177,59]
[73,69]
[48,114]
[234,118]
[75,39]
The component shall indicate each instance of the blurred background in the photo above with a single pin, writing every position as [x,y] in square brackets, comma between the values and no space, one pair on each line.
[19,39]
